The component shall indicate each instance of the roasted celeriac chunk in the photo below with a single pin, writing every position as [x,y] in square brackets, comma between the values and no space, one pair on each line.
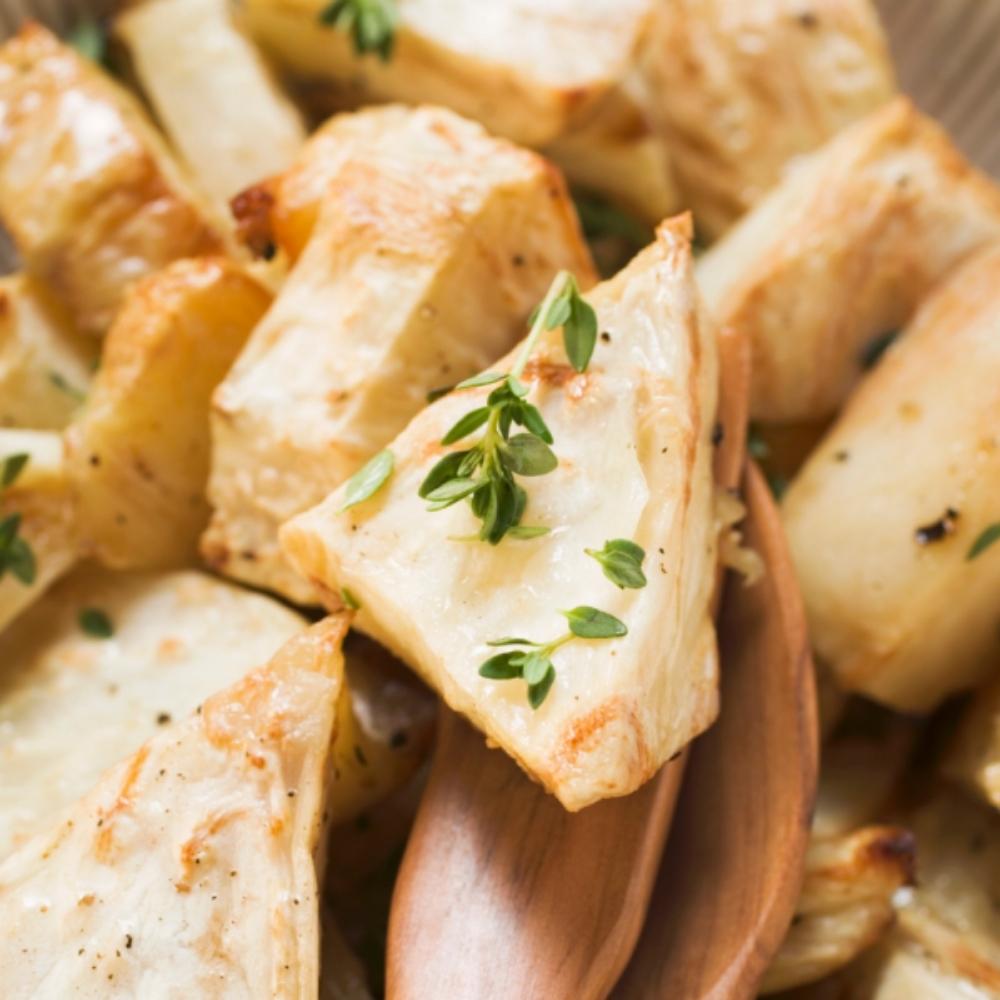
[741,87]
[841,254]
[884,518]
[846,903]
[189,869]
[45,365]
[104,660]
[88,189]
[974,759]
[38,512]
[213,92]
[633,440]
[139,452]
[431,246]
[524,68]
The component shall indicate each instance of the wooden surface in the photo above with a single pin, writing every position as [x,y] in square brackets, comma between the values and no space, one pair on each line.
[502,894]
[733,865]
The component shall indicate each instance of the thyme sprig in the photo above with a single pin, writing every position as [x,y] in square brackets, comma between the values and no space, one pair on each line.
[16,555]
[484,473]
[533,663]
[621,561]
[370,23]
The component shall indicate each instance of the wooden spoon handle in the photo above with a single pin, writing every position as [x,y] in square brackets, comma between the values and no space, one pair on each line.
[732,869]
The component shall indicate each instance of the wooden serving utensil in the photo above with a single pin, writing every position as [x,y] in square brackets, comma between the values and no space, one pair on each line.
[732,868]
[504,894]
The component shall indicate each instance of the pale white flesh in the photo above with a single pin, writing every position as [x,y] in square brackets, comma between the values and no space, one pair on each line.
[188,871]
[905,622]
[633,439]
[524,68]
[73,704]
[433,243]
[213,92]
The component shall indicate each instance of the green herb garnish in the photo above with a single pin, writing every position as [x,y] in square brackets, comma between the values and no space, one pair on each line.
[16,555]
[533,663]
[483,474]
[986,538]
[349,600]
[621,561]
[370,23]
[368,480]
[90,39]
[96,623]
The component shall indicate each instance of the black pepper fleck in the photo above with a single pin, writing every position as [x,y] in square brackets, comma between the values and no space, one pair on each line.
[937,530]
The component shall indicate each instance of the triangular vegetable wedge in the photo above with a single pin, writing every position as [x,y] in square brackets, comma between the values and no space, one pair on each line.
[633,438]
[189,870]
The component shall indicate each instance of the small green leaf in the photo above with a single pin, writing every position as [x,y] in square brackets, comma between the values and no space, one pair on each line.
[528,531]
[530,417]
[517,387]
[580,333]
[535,666]
[537,693]
[63,386]
[370,23]
[559,311]
[502,667]
[8,530]
[13,466]
[368,480]
[589,623]
[621,561]
[485,378]
[20,560]
[512,641]
[349,600]
[90,39]
[527,455]
[986,538]
[447,468]
[453,491]
[96,623]
[473,420]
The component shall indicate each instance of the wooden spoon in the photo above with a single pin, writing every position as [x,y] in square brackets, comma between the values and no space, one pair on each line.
[504,894]
[732,869]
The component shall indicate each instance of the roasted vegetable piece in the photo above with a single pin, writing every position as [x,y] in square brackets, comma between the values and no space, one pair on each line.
[884,517]
[194,858]
[838,257]
[38,511]
[139,452]
[88,189]
[632,435]
[433,243]
[742,87]
[213,92]
[105,660]
[45,365]
[974,759]
[524,69]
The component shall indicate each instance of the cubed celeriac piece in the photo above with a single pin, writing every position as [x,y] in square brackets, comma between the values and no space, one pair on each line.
[883,518]
[192,862]
[104,660]
[845,905]
[117,656]
[741,87]
[213,92]
[40,499]
[524,68]
[633,439]
[45,365]
[432,244]
[139,452]
[88,189]
[842,253]
[974,759]
[947,945]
